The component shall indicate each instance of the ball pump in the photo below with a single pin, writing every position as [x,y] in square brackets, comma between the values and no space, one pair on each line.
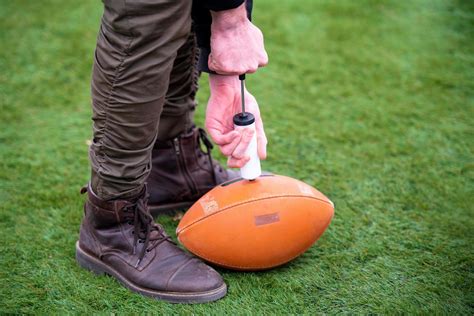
[251,170]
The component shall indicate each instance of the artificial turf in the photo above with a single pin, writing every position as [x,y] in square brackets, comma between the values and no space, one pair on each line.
[372,102]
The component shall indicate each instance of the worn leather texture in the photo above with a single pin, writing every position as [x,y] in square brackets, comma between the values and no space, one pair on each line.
[109,233]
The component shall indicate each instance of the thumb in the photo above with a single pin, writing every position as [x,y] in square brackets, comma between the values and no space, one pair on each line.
[261,139]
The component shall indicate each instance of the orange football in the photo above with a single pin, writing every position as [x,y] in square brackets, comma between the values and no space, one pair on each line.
[255,225]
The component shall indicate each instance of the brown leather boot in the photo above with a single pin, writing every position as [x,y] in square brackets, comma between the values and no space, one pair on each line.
[182,172]
[120,238]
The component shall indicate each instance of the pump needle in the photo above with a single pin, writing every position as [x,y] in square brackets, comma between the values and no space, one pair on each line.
[242,93]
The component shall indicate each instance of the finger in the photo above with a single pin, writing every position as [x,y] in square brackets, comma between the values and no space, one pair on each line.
[252,69]
[262,147]
[222,139]
[263,60]
[261,139]
[231,70]
[229,148]
[210,62]
[241,148]
[226,72]
[233,162]
[221,69]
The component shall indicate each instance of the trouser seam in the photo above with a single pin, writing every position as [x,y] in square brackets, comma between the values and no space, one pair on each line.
[102,154]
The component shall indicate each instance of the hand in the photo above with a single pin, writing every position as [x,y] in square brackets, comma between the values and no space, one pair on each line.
[236,44]
[224,103]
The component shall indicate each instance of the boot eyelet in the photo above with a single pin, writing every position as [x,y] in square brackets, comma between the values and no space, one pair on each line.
[148,250]
[141,241]
[129,223]
[133,232]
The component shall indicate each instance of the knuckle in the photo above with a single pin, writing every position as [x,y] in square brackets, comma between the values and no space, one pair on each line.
[225,151]
[237,155]
[252,69]
[248,138]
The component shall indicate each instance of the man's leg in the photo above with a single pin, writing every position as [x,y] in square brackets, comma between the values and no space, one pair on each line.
[178,111]
[182,171]
[136,49]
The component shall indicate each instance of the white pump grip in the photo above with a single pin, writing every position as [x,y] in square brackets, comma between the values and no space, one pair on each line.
[252,169]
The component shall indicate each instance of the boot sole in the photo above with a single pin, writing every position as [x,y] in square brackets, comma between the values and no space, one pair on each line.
[169,209]
[93,264]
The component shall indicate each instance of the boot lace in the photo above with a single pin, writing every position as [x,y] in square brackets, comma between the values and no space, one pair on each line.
[204,139]
[145,229]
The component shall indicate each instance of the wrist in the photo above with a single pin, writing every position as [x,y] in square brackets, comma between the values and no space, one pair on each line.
[228,19]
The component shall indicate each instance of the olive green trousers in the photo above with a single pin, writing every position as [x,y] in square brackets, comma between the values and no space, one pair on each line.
[144,83]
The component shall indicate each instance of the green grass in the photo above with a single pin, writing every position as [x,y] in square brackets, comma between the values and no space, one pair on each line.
[372,102]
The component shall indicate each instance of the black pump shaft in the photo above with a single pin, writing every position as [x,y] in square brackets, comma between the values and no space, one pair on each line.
[242,93]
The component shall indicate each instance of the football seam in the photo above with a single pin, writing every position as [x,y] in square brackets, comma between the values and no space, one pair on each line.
[262,266]
[249,201]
